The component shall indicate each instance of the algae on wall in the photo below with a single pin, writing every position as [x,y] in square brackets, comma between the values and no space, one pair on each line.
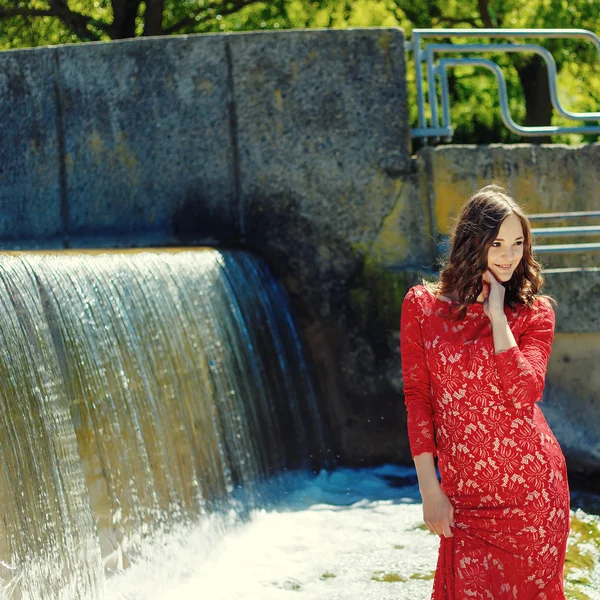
[376,296]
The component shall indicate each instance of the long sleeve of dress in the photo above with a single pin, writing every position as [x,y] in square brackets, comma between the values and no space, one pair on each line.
[416,379]
[522,368]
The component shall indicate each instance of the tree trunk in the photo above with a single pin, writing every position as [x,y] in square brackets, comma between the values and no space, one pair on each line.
[534,79]
[154,17]
[125,12]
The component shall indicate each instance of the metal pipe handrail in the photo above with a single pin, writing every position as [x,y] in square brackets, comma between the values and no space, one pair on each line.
[553,231]
[426,54]
[503,96]
[508,33]
[557,248]
[566,215]
[545,54]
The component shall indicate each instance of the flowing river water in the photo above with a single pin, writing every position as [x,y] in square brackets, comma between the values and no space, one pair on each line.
[347,534]
[160,438]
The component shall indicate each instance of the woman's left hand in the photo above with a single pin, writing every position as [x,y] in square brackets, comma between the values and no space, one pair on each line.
[493,295]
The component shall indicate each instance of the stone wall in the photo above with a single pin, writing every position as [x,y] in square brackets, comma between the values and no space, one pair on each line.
[295,145]
[292,144]
[543,179]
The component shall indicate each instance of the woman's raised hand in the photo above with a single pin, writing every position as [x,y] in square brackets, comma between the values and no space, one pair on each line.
[493,295]
[438,512]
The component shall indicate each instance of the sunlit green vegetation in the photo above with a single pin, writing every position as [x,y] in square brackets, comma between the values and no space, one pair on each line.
[475,112]
[581,561]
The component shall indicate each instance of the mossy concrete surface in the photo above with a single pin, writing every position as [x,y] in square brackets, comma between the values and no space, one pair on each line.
[30,183]
[546,178]
[294,145]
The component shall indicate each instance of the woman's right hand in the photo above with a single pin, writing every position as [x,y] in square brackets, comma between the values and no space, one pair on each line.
[438,512]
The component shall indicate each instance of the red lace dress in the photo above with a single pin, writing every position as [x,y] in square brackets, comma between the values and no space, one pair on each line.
[500,465]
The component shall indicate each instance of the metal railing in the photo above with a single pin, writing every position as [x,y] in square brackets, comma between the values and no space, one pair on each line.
[544,232]
[566,231]
[427,54]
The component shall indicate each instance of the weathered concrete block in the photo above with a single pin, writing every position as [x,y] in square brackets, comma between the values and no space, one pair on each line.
[323,142]
[571,402]
[577,292]
[148,139]
[30,198]
[322,125]
[543,178]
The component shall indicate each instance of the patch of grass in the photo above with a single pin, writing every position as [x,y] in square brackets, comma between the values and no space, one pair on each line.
[581,560]
[422,527]
[328,575]
[576,594]
[387,577]
[423,576]
[289,584]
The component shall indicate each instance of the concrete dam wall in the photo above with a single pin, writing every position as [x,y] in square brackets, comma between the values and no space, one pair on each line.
[294,145]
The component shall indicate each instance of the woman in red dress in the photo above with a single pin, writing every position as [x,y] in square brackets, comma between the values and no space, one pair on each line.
[475,348]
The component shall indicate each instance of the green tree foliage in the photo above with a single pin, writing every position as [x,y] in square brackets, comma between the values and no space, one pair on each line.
[474,97]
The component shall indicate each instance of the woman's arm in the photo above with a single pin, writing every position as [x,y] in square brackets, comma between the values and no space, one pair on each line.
[503,336]
[415,375]
[428,481]
[438,512]
[522,367]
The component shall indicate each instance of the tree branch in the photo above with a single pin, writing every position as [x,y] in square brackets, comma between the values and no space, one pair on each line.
[75,21]
[484,10]
[458,21]
[224,11]
[154,17]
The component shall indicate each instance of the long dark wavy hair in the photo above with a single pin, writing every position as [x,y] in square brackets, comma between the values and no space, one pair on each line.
[471,236]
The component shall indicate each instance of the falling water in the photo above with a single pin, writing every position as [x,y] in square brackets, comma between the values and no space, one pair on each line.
[140,391]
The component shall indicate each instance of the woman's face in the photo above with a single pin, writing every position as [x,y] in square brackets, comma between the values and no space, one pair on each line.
[507,249]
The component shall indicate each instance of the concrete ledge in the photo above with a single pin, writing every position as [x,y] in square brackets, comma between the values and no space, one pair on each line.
[571,401]
[542,178]
[322,124]
[30,181]
[175,138]
[148,144]
[576,290]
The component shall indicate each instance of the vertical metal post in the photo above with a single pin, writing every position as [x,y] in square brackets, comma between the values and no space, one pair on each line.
[416,41]
[432,94]
[444,91]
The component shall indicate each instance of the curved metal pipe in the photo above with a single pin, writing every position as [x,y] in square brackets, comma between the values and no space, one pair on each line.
[543,52]
[444,63]
[427,54]
[507,33]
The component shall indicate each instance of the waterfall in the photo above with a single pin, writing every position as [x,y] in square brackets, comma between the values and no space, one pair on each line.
[139,389]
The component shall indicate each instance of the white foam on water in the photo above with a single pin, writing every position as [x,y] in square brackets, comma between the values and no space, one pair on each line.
[349,534]
[345,534]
